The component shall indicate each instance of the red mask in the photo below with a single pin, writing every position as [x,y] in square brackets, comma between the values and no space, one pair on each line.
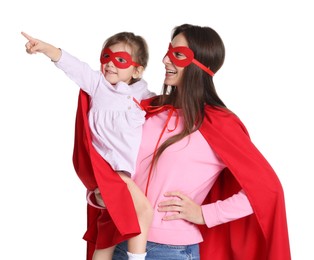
[120,59]
[189,54]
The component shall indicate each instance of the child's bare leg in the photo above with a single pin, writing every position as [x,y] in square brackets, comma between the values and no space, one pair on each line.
[104,254]
[144,211]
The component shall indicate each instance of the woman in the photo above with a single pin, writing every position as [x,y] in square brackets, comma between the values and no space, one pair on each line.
[214,195]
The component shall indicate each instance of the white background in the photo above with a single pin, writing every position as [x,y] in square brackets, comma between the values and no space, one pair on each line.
[267,79]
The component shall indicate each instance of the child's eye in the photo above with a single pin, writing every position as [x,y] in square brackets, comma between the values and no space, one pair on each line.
[106,56]
[121,60]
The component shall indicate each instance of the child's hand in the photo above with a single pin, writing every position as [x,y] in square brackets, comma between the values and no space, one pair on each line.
[34,46]
[99,199]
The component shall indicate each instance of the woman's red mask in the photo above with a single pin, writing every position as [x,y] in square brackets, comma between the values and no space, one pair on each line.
[189,58]
[120,59]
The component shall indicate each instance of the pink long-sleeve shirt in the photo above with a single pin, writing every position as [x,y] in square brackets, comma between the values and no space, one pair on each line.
[191,167]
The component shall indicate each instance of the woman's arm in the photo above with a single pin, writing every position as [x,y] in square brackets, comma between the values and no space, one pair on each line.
[222,211]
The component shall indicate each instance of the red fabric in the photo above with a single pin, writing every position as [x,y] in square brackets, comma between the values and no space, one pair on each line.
[120,219]
[260,236]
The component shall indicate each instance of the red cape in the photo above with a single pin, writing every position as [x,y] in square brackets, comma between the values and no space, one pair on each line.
[260,236]
[264,234]
[120,220]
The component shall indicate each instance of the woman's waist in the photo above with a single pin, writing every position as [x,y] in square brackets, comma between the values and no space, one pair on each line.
[175,236]
[174,232]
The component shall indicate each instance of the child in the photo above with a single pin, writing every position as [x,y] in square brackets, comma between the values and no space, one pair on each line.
[115,117]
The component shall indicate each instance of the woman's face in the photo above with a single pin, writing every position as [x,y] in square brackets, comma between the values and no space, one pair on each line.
[174,73]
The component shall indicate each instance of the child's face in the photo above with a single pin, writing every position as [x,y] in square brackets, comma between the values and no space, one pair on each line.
[114,73]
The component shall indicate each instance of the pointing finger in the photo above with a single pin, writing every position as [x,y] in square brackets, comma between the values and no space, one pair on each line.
[28,37]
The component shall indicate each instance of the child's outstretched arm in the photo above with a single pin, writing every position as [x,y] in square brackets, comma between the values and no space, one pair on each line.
[34,46]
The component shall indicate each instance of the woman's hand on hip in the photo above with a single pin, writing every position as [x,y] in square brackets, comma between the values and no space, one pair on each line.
[181,207]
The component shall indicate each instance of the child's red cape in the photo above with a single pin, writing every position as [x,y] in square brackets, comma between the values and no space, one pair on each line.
[260,236]
[120,219]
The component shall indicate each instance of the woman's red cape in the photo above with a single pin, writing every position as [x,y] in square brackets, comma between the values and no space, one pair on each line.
[260,236]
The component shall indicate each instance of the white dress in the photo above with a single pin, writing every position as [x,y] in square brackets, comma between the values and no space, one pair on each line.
[115,119]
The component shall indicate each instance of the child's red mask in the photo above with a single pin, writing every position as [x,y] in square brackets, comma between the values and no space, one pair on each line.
[120,59]
[189,54]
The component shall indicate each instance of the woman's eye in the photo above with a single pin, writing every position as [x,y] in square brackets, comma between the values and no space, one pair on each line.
[106,56]
[179,55]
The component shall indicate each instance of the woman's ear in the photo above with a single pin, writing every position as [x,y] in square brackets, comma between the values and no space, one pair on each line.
[138,71]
